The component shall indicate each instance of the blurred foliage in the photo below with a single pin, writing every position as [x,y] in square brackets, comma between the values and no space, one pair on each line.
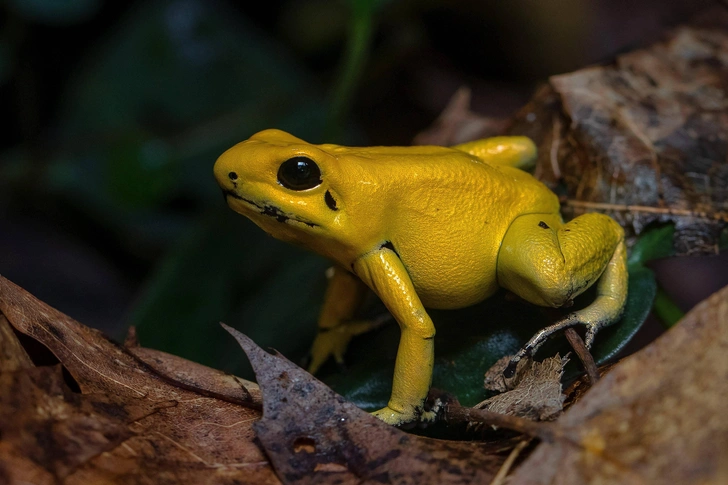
[173,84]
[55,12]
[139,127]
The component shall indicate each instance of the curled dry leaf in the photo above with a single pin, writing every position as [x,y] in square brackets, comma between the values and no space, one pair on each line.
[657,417]
[536,394]
[131,422]
[199,378]
[643,139]
[494,380]
[313,435]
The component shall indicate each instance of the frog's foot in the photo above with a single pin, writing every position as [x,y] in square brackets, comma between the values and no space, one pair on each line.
[543,335]
[400,418]
[332,342]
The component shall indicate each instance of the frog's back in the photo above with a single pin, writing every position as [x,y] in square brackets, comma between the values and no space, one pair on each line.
[446,212]
[427,175]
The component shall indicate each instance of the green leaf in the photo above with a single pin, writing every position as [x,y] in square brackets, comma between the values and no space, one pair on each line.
[654,243]
[666,309]
[470,340]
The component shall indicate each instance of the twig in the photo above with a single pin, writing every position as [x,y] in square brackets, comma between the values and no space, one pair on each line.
[456,414]
[581,204]
[500,477]
[585,356]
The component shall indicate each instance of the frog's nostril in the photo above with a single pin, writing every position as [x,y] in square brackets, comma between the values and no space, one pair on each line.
[233,176]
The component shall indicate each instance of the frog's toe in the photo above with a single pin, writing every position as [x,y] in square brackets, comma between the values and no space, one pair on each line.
[314,364]
[428,416]
[395,418]
[317,359]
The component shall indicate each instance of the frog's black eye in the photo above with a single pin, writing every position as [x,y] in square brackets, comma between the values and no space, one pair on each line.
[299,173]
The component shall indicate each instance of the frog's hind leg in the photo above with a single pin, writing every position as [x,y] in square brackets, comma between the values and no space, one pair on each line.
[514,151]
[549,263]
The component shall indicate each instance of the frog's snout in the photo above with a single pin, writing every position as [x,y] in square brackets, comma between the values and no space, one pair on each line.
[225,172]
[227,179]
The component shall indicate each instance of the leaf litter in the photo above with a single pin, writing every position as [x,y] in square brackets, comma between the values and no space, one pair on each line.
[642,139]
[129,423]
[657,415]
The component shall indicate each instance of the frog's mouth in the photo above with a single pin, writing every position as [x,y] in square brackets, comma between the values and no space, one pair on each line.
[268,210]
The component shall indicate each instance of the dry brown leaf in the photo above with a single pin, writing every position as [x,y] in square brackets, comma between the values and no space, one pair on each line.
[313,435]
[494,380]
[537,392]
[644,139]
[458,124]
[130,423]
[12,355]
[199,378]
[657,417]
[48,432]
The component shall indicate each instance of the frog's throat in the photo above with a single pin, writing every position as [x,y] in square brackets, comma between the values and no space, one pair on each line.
[268,210]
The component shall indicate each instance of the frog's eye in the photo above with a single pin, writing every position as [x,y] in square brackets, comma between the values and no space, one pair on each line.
[299,173]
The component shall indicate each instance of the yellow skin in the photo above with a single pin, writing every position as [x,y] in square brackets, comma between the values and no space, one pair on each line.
[425,226]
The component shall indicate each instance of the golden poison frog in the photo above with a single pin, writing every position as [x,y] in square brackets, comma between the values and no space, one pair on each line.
[425,227]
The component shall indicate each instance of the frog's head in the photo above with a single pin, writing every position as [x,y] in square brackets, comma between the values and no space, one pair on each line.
[285,185]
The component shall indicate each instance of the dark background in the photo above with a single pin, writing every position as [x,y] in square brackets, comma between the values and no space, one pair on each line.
[114,113]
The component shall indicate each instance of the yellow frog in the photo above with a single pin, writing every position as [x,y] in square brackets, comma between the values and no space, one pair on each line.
[425,226]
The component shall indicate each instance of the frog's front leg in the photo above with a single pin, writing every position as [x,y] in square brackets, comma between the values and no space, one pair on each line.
[549,263]
[384,273]
[343,298]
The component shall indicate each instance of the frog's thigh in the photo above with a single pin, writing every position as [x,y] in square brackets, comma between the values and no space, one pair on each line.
[549,263]
[514,151]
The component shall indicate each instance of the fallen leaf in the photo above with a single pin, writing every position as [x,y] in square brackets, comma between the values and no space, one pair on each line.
[657,417]
[536,394]
[12,355]
[48,432]
[129,423]
[199,378]
[494,380]
[313,435]
[458,124]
